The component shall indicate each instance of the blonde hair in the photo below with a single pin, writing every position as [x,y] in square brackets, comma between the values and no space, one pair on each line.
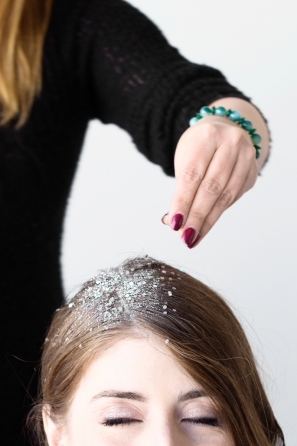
[23,25]
[205,338]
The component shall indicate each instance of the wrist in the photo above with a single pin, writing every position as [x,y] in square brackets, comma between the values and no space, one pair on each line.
[251,113]
[235,117]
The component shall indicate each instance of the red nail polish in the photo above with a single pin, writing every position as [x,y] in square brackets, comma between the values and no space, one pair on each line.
[188,236]
[176,222]
[195,242]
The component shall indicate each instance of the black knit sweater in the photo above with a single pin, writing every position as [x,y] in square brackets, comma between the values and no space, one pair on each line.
[104,60]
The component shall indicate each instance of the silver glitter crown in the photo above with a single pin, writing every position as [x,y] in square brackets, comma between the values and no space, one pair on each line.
[116,295]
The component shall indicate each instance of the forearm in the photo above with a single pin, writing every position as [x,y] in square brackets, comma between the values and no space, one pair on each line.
[249,112]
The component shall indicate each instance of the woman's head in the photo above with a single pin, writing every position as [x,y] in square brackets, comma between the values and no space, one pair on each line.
[145,353]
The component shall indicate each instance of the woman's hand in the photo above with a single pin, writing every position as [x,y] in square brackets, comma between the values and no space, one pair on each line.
[215,165]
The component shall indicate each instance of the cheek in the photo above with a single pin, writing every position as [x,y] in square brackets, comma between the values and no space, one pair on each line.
[205,436]
[84,429]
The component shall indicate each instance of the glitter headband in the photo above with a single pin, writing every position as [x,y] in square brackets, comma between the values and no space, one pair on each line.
[138,287]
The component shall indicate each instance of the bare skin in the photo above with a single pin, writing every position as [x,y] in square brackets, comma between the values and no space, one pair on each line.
[215,165]
[135,394]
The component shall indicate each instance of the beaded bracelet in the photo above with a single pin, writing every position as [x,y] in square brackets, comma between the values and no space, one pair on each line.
[234,115]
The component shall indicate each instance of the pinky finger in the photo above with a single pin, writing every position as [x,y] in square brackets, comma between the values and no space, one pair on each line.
[248,184]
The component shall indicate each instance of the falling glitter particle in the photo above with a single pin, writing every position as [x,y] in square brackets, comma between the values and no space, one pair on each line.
[166,341]
[169,293]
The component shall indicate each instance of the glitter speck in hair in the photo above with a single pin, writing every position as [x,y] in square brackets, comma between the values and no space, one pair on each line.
[118,295]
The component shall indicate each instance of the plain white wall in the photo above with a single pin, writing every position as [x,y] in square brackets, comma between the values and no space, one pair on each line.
[250,256]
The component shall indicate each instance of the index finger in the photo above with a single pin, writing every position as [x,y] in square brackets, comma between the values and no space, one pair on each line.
[188,179]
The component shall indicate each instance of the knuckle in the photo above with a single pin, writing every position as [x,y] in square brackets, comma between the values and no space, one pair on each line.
[191,175]
[250,153]
[183,203]
[197,216]
[207,225]
[237,137]
[226,199]
[210,131]
[212,186]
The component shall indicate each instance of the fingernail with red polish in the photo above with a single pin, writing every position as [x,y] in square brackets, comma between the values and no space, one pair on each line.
[162,219]
[195,242]
[176,222]
[188,236]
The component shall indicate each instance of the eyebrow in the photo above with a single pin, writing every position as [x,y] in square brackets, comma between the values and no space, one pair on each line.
[191,395]
[118,394]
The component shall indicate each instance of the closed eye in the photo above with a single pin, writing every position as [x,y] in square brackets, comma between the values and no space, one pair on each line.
[120,421]
[204,420]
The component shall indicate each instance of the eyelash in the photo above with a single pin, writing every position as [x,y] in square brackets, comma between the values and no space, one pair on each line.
[206,421]
[120,421]
[126,421]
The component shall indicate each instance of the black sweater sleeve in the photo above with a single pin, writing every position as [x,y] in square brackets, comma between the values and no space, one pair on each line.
[139,82]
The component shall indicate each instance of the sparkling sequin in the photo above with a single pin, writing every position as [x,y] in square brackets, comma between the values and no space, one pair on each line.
[117,295]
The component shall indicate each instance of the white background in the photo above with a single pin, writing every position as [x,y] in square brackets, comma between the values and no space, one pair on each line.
[250,256]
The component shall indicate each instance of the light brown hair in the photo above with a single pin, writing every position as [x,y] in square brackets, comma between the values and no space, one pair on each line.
[205,338]
[23,25]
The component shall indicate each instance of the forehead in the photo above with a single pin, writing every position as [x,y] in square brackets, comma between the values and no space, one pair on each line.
[142,365]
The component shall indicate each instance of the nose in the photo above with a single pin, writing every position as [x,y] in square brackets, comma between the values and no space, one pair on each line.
[163,434]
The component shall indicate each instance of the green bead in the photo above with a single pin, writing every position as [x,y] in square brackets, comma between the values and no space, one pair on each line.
[252,131]
[256,138]
[198,116]
[220,111]
[205,111]
[257,154]
[193,121]
[240,121]
[247,125]
[234,115]
[257,147]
